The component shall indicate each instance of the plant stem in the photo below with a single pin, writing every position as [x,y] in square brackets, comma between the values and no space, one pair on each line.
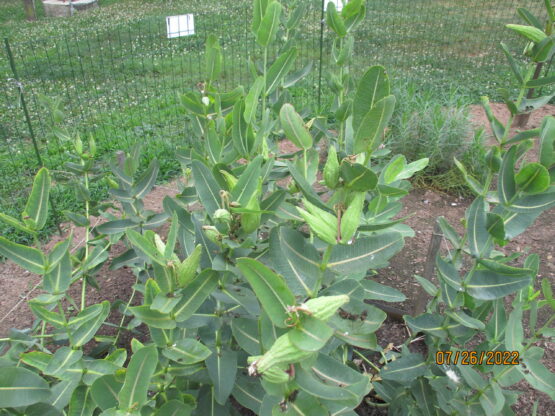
[123,317]
[87,229]
[264,138]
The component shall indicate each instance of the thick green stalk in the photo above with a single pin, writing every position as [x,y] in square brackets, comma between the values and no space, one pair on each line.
[87,230]
[264,95]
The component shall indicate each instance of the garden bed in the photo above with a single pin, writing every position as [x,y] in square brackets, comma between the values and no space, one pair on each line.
[19,285]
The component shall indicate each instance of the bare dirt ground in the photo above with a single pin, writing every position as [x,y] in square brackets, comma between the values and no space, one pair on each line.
[18,285]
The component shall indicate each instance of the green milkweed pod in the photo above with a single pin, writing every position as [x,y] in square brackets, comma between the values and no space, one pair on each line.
[283,351]
[321,222]
[222,215]
[251,221]
[331,169]
[229,178]
[187,269]
[212,233]
[324,307]
[351,217]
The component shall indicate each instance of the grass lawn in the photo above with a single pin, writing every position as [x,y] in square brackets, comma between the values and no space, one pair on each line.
[118,76]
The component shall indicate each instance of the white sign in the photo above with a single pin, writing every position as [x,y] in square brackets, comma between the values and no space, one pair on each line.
[338,4]
[183,25]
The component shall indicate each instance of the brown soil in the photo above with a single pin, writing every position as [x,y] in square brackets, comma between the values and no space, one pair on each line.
[19,285]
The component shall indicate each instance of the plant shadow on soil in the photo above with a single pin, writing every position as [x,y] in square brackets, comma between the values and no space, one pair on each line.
[19,285]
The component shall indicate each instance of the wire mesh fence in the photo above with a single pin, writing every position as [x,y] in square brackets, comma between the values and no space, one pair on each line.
[121,84]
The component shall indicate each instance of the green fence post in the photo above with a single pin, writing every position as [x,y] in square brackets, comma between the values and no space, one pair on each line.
[28,121]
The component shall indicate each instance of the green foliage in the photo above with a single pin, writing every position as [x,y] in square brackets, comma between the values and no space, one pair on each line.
[257,292]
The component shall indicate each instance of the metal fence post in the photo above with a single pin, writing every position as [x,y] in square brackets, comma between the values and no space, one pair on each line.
[321,56]
[28,121]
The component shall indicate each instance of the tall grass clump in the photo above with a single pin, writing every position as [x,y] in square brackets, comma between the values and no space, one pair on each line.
[436,126]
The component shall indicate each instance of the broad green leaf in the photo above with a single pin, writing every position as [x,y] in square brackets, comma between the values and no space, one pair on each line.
[478,237]
[372,87]
[448,273]
[58,252]
[506,185]
[164,303]
[105,391]
[222,370]
[539,376]
[532,178]
[541,82]
[428,286]
[529,18]
[424,395]
[27,257]
[245,332]
[141,243]
[432,324]
[133,394]
[84,332]
[21,387]
[213,58]
[294,128]
[195,294]
[42,409]
[62,359]
[270,289]
[242,133]
[81,403]
[505,269]
[310,383]
[310,334]
[495,225]
[514,333]
[59,279]
[369,133]
[152,317]
[251,101]
[514,66]
[365,253]
[37,359]
[469,179]
[358,177]
[335,21]
[533,204]
[248,393]
[351,8]
[375,290]
[248,182]
[36,209]
[497,127]
[277,71]
[291,79]
[187,351]
[306,187]
[488,285]
[296,259]
[99,368]
[259,9]
[207,188]
[61,393]
[147,180]
[207,404]
[269,25]
[465,320]
[116,226]
[547,142]
[529,32]
[404,369]
[495,328]
[53,318]
[18,225]
[174,408]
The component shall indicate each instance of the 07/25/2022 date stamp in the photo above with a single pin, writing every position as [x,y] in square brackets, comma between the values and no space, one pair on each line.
[477,357]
